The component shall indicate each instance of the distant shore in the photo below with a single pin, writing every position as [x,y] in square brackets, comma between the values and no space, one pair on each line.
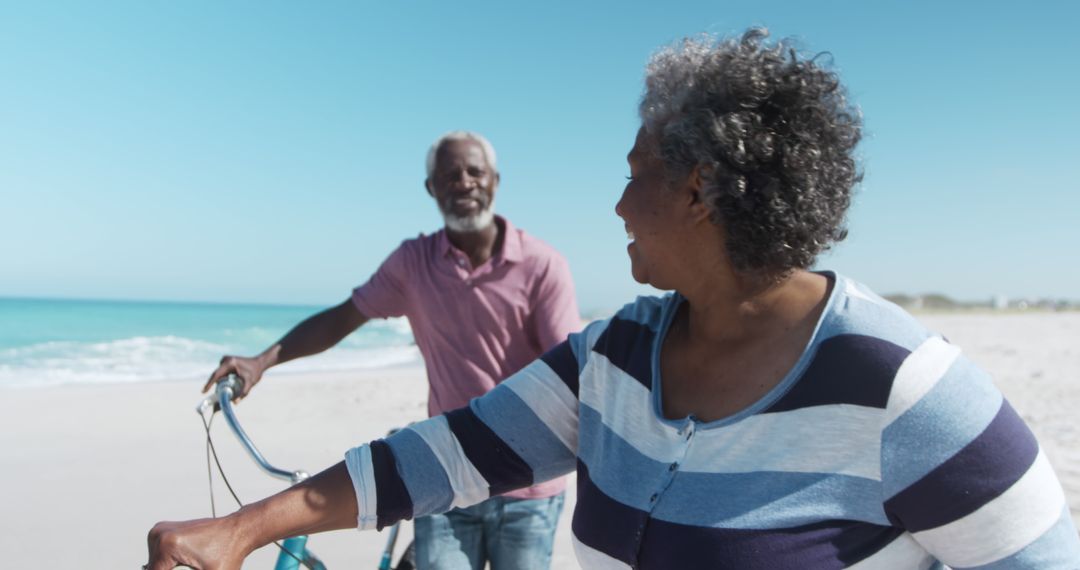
[999,303]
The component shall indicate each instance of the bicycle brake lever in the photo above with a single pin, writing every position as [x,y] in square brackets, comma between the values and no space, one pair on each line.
[232,383]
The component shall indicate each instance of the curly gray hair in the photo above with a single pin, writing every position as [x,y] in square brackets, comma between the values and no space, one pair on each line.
[772,136]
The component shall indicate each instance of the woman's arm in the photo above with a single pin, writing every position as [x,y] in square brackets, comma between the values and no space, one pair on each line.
[963,473]
[321,503]
[522,432]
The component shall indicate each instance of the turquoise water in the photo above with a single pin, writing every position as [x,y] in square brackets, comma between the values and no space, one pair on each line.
[46,341]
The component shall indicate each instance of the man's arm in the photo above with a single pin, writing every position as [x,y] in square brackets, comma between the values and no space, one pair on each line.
[315,334]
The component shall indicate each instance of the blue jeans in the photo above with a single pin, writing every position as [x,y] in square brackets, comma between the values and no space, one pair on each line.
[512,534]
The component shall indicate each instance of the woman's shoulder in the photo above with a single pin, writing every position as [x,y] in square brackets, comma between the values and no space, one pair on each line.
[648,310]
[891,354]
[633,325]
[854,310]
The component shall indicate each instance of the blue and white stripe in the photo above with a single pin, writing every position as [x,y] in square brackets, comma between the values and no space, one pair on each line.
[884,448]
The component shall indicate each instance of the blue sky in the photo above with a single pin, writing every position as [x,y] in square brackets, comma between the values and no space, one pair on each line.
[273,151]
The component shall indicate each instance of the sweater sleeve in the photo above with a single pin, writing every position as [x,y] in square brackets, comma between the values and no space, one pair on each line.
[964,475]
[520,433]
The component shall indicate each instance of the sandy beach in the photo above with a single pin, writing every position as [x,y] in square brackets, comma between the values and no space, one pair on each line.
[89,469]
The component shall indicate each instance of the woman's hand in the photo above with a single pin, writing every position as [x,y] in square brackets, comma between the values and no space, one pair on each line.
[324,502]
[203,544]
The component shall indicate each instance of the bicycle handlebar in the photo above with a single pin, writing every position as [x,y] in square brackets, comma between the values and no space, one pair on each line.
[221,398]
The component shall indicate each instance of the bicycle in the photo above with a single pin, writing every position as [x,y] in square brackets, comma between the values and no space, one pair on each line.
[294,550]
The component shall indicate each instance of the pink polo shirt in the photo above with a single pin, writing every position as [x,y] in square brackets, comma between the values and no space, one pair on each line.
[475,326]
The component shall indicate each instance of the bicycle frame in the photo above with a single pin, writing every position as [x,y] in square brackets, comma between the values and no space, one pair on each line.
[294,549]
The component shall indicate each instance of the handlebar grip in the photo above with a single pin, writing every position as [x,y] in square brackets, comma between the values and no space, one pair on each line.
[231,383]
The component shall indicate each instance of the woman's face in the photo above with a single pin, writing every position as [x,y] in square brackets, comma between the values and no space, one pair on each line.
[648,207]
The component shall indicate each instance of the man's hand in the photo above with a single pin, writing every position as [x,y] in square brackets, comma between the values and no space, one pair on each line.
[204,544]
[250,370]
[315,334]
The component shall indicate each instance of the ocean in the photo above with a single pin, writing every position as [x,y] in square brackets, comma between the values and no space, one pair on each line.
[49,342]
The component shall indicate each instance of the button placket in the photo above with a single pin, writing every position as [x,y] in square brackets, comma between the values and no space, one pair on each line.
[673,467]
[685,434]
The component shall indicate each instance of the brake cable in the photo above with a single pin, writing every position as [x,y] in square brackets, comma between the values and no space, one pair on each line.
[211,451]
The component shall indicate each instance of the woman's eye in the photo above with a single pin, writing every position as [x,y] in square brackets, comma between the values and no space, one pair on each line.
[629,177]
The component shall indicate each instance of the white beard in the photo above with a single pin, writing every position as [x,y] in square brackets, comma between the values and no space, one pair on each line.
[469,224]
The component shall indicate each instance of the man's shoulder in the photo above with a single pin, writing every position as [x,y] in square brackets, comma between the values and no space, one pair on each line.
[421,240]
[536,250]
[417,246]
[411,255]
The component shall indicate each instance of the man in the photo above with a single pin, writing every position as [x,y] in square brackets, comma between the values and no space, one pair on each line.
[483,300]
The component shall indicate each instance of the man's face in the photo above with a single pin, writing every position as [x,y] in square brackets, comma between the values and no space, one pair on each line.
[463,185]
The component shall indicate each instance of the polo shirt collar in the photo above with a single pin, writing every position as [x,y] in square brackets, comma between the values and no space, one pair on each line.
[511,247]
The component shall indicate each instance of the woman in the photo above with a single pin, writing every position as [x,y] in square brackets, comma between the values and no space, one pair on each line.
[761,416]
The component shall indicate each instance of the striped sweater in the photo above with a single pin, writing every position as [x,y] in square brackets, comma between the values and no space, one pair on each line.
[883,447]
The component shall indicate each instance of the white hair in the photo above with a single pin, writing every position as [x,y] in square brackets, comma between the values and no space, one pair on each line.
[489,151]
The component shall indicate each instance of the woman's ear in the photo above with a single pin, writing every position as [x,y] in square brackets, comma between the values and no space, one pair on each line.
[695,190]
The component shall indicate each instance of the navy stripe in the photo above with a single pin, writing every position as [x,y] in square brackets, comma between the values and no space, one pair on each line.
[392,498]
[628,345]
[604,524]
[561,359]
[825,545]
[633,537]
[500,466]
[997,458]
[846,369]
[857,541]
[519,427]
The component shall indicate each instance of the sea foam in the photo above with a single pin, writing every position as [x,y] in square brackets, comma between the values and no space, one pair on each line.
[45,342]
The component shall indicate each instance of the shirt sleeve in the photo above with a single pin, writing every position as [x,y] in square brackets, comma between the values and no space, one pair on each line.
[963,473]
[384,295]
[521,433]
[555,311]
